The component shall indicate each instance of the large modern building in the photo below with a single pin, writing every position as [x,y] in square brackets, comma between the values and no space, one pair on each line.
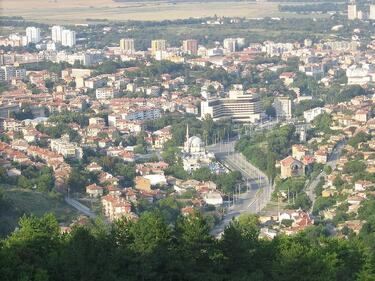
[239,107]
[158,46]
[68,38]
[127,45]
[57,33]
[33,34]
[190,46]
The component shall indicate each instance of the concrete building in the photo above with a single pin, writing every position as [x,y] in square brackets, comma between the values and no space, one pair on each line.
[190,46]
[33,34]
[158,46]
[66,148]
[352,11]
[127,45]
[57,33]
[238,106]
[311,114]
[230,44]
[372,12]
[283,107]
[105,93]
[68,38]
[9,72]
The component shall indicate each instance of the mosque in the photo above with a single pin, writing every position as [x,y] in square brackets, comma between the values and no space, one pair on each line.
[194,154]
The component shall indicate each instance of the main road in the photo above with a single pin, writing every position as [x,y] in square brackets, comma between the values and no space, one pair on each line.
[257,188]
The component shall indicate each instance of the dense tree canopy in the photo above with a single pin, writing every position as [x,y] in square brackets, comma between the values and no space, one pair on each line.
[150,249]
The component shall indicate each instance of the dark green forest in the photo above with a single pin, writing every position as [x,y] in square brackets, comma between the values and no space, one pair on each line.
[150,249]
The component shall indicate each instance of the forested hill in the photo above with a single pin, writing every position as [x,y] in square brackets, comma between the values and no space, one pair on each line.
[152,250]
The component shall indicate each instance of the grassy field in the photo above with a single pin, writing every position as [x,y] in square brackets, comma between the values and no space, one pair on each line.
[77,11]
[29,202]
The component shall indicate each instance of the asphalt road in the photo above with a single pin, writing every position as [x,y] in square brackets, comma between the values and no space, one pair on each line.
[80,207]
[258,191]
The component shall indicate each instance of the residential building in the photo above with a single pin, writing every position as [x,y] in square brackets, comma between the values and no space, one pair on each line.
[33,34]
[352,11]
[127,45]
[57,33]
[115,207]
[311,114]
[66,148]
[105,93]
[372,12]
[190,46]
[283,107]
[68,38]
[158,46]
[230,44]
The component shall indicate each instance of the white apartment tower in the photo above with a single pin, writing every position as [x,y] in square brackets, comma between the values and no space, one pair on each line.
[33,34]
[230,44]
[127,45]
[352,11]
[68,38]
[57,33]
[372,12]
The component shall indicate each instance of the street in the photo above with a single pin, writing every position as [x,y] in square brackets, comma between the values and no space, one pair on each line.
[258,190]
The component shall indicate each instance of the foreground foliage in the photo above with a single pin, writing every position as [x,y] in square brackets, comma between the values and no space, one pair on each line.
[152,250]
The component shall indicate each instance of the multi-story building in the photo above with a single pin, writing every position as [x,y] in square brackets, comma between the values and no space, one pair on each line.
[158,46]
[372,12]
[283,107]
[9,72]
[105,93]
[239,107]
[142,113]
[115,207]
[57,33]
[311,114]
[352,11]
[127,45]
[190,46]
[33,34]
[66,148]
[230,44]
[68,38]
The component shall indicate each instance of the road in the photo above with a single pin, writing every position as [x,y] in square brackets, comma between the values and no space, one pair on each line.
[258,191]
[80,207]
[332,161]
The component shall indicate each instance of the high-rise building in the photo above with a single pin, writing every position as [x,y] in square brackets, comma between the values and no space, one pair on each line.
[57,33]
[190,46]
[127,45]
[68,38]
[33,34]
[158,45]
[352,11]
[230,44]
[239,107]
[372,12]
[283,107]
